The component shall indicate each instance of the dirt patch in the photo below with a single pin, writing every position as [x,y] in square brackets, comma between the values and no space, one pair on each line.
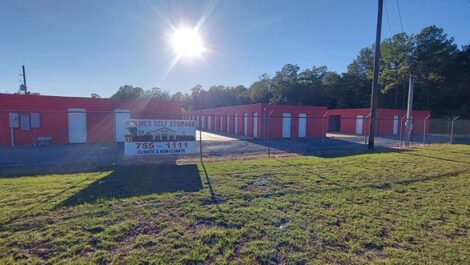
[260,182]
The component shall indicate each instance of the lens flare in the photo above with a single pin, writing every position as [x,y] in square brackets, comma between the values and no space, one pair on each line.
[187,42]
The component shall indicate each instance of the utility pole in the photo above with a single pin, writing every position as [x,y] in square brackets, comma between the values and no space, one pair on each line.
[409,109]
[24,86]
[373,94]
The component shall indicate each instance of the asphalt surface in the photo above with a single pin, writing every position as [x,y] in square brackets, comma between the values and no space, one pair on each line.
[219,136]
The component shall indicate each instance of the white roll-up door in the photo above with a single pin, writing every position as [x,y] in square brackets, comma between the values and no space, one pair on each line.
[77,126]
[236,123]
[255,125]
[302,125]
[359,124]
[395,125]
[120,118]
[245,124]
[286,125]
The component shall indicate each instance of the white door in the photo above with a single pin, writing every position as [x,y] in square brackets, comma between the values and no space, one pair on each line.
[77,126]
[255,125]
[228,123]
[286,125]
[395,125]
[359,124]
[245,124]
[236,123]
[120,117]
[302,125]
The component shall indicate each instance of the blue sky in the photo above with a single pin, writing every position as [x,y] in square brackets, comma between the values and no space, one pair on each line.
[76,48]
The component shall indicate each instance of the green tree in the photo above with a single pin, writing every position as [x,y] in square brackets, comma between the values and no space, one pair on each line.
[128,92]
[285,85]
[434,58]
[397,55]
[260,91]
[157,94]
[311,89]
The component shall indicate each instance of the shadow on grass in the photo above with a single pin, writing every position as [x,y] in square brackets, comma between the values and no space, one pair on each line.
[329,147]
[435,157]
[340,188]
[128,181]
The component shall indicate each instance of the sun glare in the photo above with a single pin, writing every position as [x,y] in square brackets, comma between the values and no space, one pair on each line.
[187,42]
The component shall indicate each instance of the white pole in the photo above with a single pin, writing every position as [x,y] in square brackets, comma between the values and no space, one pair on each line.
[12,136]
[452,130]
[409,121]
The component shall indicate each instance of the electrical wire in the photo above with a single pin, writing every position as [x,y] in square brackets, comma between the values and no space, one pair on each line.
[399,15]
[388,20]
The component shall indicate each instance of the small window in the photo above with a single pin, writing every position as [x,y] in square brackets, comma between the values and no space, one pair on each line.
[14,120]
[25,122]
[35,120]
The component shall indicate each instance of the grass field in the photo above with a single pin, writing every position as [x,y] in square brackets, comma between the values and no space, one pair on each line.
[394,208]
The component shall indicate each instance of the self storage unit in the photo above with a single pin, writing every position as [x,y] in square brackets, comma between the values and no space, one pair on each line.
[262,120]
[389,121]
[51,120]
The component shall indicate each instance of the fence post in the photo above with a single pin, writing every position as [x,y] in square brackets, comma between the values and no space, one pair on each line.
[424,128]
[269,133]
[401,131]
[264,123]
[115,143]
[452,129]
[323,133]
[366,128]
[200,137]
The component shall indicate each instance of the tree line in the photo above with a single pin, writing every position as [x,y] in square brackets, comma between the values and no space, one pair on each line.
[442,84]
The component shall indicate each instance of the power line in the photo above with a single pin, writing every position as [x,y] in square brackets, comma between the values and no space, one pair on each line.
[399,15]
[388,20]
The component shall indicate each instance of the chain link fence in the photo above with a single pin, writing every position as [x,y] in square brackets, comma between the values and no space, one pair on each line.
[449,130]
[78,140]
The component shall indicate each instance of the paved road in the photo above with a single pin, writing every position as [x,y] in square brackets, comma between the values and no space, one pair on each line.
[220,137]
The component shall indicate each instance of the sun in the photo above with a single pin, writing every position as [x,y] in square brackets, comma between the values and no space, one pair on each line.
[187,42]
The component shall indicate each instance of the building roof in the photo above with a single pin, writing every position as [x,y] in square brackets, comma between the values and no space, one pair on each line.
[40,102]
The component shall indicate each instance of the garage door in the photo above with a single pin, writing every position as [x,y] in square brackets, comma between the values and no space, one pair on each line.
[245,124]
[255,125]
[236,123]
[335,123]
[302,125]
[359,124]
[395,125]
[77,126]
[286,125]
[121,116]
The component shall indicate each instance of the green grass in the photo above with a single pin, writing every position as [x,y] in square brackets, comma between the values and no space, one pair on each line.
[410,207]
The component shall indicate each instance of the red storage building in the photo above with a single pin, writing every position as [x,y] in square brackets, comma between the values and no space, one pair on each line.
[44,120]
[389,121]
[283,121]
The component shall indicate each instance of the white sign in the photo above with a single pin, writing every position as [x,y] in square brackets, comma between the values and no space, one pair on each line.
[155,137]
